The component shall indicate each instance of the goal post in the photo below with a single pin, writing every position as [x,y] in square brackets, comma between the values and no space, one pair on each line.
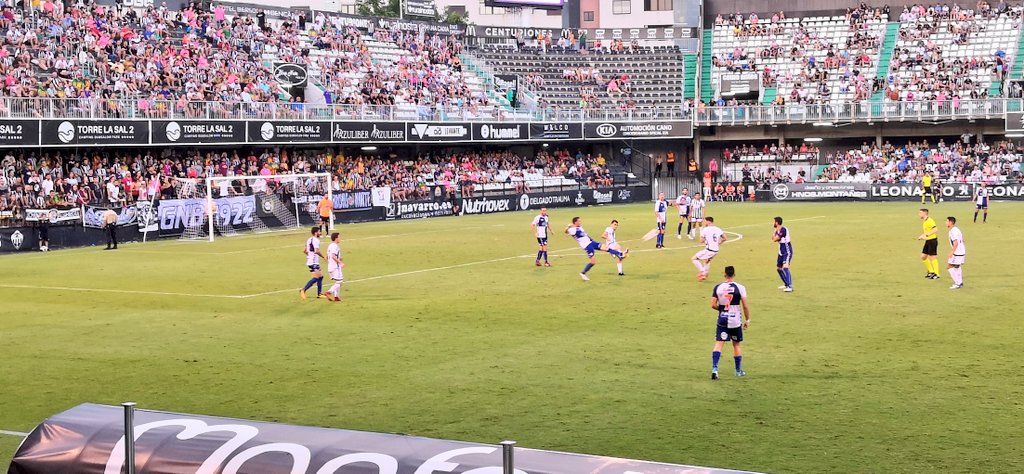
[226,206]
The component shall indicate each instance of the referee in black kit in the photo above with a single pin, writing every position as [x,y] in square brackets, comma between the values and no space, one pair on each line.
[110,223]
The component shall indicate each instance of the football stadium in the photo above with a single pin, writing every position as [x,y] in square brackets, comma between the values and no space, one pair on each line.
[511,236]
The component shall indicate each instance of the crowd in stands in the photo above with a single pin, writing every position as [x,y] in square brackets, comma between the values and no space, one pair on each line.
[774,152]
[944,53]
[959,162]
[62,179]
[158,58]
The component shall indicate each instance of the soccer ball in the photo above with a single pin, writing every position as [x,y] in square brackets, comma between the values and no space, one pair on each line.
[44,248]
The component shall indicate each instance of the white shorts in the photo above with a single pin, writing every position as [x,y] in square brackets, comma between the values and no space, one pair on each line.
[705,255]
[613,245]
[957,259]
[336,274]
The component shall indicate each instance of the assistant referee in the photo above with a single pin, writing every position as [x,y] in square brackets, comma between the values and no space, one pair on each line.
[929,253]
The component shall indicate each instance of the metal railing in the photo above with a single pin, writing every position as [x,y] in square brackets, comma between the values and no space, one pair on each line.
[739,115]
[97,108]
[857,112]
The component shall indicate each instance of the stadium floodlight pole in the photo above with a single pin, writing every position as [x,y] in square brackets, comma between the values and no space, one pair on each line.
[129,437]
[209,204]
[507,461]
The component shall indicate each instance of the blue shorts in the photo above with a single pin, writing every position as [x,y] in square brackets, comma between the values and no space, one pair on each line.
[314,268]
[784,258]
[983,205]
[725,334]
[592,248]
[661,226]
[542,240]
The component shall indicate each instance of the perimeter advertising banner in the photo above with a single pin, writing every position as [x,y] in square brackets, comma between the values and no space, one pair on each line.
[888,192]
[438,132]
[95,132]
[368,132]
[291,131]
[556,131]
[500,132]
[89,439]
[193,132]
[19,132]
[638,129]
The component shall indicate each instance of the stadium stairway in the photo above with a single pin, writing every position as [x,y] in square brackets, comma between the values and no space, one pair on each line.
[707,91]
[769,95]
[1018,62]
[885,56]
[690,82]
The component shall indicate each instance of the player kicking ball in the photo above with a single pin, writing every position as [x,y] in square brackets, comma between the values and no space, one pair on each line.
[712,237]
[611,242]
[575,230]
[334,267]
[729,299]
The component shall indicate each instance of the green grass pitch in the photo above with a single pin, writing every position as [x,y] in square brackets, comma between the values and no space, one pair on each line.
[450,331]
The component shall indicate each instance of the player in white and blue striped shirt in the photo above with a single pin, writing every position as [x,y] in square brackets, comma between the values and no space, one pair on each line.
[575,230]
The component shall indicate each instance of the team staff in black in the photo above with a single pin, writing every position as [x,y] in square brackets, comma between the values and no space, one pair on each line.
[110,223]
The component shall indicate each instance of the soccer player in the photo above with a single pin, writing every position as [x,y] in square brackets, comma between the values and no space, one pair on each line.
[957,253]
[334,267]
[782,236]
[981,203]
[575,230]
[697,207]
[540,226]
[712,237]
[927,187]
[729,299]
[683,205]
[931,245]
[611,242]
[313,255]
[325,207]
[660,209]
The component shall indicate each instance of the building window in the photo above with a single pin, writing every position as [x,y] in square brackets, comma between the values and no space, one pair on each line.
[658,5]
[622,7]
[588,16]
[486,10]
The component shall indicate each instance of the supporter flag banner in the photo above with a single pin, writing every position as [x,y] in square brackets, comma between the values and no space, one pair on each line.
[556,131]
[368,132]
[53,216]
[1015,122]
[420,8]
[289,132]
[188,132]
[637,129]
[439,132]
[506,32]
[146,213]
[89,439]
[500,132]
[174,215]
[93,216]
[352,200]
[19,132]
[95,132]
[381,196]
[290,74]
[252,10]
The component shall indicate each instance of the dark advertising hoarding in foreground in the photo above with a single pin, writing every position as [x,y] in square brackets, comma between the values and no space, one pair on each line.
[89,439]
[639,129]
[95,132]
[194,132]
[102,132]
[886,192]
[517,202]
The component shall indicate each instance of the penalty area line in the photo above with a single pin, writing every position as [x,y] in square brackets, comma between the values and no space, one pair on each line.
[13,433]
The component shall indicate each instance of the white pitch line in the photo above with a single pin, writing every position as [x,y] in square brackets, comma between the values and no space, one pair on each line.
[13,433]
[115,290]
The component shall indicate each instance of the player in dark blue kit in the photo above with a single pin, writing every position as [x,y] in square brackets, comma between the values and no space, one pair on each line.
[575,230]
[781,235]
[729,298]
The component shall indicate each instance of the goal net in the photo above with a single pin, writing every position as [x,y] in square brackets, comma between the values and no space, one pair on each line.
[232,205]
